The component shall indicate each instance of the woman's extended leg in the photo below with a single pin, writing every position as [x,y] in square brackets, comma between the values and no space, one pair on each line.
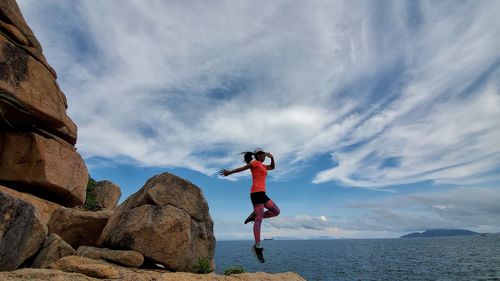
[259,215]
[272,209]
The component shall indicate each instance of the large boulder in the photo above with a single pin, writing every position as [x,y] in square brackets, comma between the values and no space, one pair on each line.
[167,221]
[75,226]
[123,257]
[53,249]
[47,167]
[107,194]
[21,232]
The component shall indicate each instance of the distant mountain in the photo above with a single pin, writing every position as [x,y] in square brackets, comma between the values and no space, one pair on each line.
[321,238]
[440,232]
[286,238]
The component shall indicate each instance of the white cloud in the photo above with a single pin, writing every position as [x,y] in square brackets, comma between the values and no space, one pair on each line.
[192,84]
[472,208]
[298,222]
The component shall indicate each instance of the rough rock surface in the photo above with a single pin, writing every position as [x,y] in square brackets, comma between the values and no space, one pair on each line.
[167,221]
[34,86]
[26,76]
[107,194]
[78,227]
[43,165]
[86,266]
[127,258]
[11,14]
[21,232]
[132,274]
[44,207]
[75,226]
[52,250]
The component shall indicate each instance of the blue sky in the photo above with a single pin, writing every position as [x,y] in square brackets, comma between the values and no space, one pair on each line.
[383,116]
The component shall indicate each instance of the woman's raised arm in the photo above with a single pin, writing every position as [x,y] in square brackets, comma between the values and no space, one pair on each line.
[273,165]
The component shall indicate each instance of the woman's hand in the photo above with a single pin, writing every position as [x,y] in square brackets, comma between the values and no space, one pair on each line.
[224,172]
[268,154]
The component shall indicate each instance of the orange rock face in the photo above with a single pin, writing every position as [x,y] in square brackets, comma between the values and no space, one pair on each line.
[36,162]
[107,194]
[37,137]
[32,84]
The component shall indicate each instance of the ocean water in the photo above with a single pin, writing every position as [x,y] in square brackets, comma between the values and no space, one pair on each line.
[440,258]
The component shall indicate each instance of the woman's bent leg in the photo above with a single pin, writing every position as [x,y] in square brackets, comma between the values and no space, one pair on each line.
[272,211]
[259,215]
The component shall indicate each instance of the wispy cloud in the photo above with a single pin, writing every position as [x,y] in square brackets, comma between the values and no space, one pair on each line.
[474,208]
[397,93]
[471,208]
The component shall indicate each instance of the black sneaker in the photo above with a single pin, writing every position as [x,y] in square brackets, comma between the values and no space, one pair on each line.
[258,252]
[250,218]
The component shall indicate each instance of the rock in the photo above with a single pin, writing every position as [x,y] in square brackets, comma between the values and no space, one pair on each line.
[10,13]
[21,232]
[127,258]
[53,249]
[34,87]
[131,274]
[45,208]
[36,274]
[13,33]
[107,194]
[48,168]
[167,221]
[76,227]
[86,266]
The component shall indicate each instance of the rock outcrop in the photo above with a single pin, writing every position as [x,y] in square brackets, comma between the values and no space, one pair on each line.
[31,161]
[21,232]
[52,250]
[127,258]
[132,274]
[107,194]
[37,137]
[167,221]
[75,226]
[26,75]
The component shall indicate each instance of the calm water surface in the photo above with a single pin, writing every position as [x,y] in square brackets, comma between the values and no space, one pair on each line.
[440,258]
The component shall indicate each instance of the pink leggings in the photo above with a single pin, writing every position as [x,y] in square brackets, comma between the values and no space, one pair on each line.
[272,211]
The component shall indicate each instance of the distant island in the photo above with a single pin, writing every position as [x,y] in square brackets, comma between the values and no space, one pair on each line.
[441,232]
[322,238]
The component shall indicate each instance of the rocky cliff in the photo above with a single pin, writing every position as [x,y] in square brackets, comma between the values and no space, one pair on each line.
[37,138]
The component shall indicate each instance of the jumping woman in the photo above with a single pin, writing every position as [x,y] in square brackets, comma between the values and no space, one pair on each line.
[257,194]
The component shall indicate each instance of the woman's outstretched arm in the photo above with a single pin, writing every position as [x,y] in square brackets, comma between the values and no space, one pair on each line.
[226,173]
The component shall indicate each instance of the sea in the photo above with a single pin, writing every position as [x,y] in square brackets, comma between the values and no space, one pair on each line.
[437,258]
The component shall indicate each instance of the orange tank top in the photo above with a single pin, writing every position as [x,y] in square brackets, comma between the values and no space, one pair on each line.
[259,174]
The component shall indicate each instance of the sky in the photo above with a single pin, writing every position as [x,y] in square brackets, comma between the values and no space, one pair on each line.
[383,116]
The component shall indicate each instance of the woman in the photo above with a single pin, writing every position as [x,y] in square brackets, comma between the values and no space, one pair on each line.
[257,194]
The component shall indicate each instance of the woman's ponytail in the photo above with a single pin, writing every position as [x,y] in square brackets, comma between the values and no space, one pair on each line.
[247,157]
